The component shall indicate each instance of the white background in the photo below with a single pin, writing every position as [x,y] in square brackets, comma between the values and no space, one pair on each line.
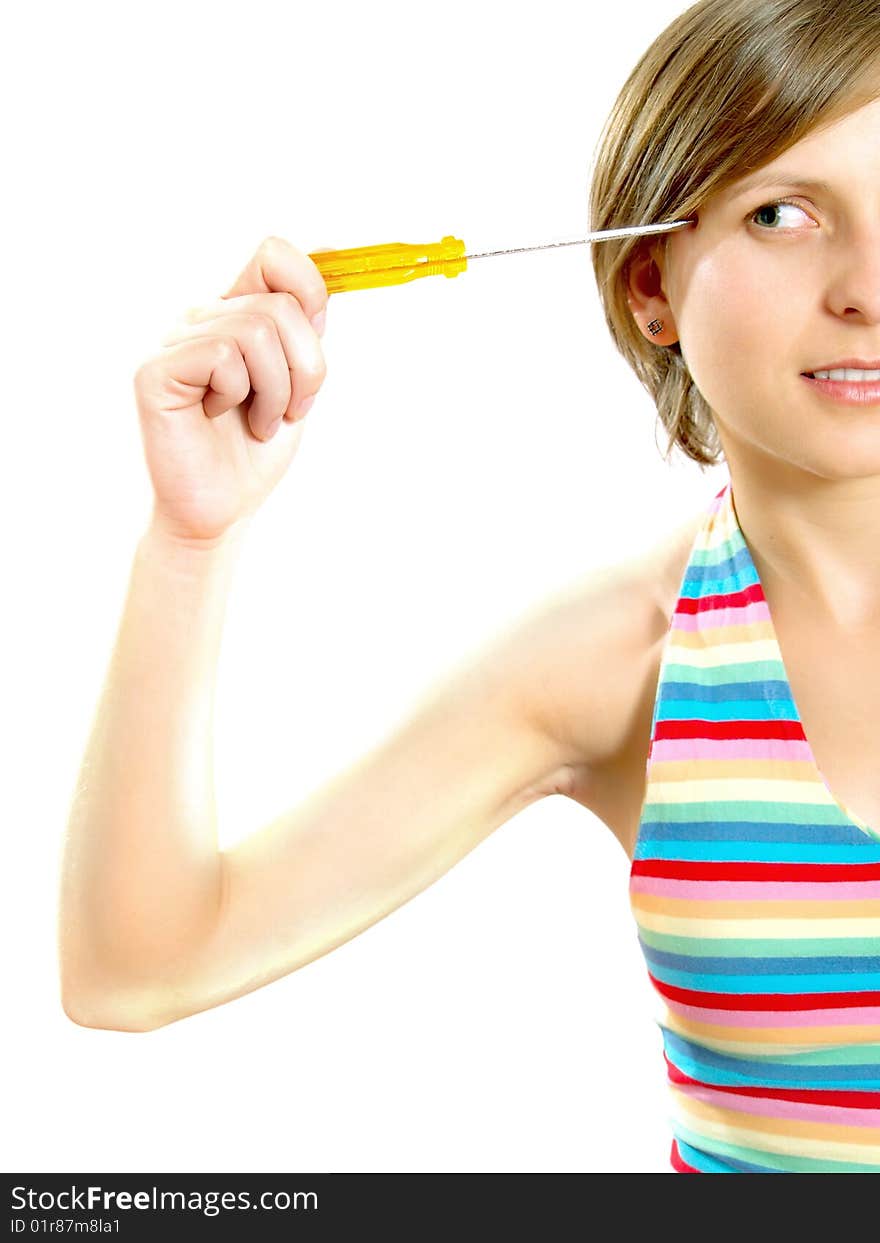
[477,443]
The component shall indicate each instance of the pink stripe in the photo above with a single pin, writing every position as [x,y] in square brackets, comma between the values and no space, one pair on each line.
[771,1108]
[715,619]
[745,890]
[730,749]
[843,1016]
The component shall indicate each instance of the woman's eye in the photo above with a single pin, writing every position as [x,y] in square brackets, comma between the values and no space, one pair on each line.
[774,208]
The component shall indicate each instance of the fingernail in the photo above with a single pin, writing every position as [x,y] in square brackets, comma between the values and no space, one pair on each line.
[273,427]
[318,321]
[305,406]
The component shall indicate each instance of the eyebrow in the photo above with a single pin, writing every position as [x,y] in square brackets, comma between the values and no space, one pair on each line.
[781,178]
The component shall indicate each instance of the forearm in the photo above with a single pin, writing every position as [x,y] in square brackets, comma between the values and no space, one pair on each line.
[141,871]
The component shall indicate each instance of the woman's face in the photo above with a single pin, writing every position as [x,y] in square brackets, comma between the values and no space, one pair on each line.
[758,292]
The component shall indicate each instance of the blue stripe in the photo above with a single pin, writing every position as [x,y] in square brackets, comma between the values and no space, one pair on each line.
[707,565]
[751,832]
[778,852]
[777,1079]
[729,585]
[713,965]
[701,1160]
[741,710]
[760,985]
[702,692]
[769,1072]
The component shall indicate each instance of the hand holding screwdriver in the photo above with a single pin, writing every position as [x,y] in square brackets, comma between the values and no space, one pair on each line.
[221,408]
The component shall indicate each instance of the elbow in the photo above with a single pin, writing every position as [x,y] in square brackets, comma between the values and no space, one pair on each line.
[107,1023]
[105,1013]
[118,997]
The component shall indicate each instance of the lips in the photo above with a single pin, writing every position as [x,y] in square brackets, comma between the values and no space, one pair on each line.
[858,394]
[858,364]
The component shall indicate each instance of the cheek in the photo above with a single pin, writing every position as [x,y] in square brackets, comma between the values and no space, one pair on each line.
[733,332]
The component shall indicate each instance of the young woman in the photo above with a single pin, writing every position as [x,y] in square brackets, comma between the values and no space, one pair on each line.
[738,781]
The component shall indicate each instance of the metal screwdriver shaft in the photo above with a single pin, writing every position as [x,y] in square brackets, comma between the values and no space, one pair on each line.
[601,235]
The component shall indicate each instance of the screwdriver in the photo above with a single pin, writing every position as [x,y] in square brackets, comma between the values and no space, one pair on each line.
[394,263]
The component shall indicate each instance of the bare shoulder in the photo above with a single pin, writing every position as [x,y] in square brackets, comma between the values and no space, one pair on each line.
[597,647]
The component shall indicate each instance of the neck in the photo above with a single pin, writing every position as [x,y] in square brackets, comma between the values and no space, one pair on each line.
[816,539]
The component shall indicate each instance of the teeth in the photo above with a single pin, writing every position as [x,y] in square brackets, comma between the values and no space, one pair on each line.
[846,373]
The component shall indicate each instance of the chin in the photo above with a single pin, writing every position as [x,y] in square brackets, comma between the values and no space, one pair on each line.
[848,456]
[838,445]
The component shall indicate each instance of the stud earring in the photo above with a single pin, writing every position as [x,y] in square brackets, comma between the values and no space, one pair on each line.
[655,326]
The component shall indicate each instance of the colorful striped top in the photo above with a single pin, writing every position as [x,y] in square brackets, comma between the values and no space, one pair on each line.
[756,894]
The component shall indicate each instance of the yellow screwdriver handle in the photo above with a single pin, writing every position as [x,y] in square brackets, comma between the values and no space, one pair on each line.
[394,263]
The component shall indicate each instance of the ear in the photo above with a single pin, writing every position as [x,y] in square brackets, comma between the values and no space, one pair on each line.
[645,294]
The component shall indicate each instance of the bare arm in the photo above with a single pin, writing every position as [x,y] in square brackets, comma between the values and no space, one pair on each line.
[156,923]
[141,877]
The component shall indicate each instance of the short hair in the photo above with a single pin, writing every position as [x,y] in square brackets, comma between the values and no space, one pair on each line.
[723,90]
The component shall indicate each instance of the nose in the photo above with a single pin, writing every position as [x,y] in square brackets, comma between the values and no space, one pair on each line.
[855,291]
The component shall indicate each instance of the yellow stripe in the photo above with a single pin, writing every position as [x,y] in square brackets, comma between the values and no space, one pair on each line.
[695,648]
[702,915]
[732,789]
[775,1040]
[707,926]
[791,1136]
[718,526]
[724,770]
[745,635]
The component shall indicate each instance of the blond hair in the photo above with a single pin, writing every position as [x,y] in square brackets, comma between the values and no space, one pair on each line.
[724,89]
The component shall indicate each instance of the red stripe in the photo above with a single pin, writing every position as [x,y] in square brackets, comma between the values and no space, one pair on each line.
[721,730]
[812,1096]
[695,869]
[721,600]
[765,1001]
[678,1162]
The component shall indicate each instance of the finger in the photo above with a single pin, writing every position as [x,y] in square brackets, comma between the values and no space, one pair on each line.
[302,349]
[278,267]
[256,337]
[210,370]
